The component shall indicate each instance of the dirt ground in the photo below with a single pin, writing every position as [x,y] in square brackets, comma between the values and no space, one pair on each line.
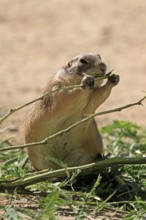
[37,37]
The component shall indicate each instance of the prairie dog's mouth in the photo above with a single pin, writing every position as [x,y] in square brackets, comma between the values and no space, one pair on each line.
[105,76]
[99,70]
[97,75]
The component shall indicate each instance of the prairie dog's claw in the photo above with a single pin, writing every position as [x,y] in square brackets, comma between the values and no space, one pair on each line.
[114,79]
[87,82]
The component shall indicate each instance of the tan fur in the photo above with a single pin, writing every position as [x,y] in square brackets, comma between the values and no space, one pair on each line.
[61,109]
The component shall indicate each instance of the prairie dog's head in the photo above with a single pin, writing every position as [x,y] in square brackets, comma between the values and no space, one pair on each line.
[88,63]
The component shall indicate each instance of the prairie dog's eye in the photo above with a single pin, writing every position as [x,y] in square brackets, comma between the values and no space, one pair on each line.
[83,61]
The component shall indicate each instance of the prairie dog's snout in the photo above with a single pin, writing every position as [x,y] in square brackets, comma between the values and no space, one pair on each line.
[99,65]
[102,67]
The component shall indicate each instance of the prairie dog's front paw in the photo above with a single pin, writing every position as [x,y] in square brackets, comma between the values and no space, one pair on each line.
[114,79]
[87,82]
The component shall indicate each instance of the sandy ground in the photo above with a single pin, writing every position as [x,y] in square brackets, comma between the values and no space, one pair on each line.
[37,37]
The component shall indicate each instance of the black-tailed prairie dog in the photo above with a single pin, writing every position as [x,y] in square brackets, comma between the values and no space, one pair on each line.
[82,144]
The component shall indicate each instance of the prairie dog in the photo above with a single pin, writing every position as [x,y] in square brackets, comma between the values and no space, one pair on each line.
[57,111]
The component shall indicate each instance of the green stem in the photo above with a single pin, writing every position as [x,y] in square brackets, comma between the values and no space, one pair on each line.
[62,173]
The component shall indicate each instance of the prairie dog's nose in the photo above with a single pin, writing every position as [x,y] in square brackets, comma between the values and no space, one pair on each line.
[102,67]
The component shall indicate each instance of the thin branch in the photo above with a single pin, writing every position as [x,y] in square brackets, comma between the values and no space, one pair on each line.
[62,173]
[12,111]
[47,139]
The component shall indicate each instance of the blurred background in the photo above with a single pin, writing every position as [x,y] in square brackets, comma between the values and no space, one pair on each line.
[37,37]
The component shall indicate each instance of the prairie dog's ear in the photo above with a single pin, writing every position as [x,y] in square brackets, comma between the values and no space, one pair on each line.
[72,62]
[69,64]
